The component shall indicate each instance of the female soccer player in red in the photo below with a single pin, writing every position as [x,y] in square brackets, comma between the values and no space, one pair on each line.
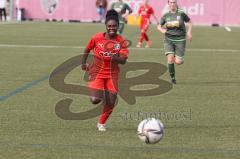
[145,11]
[103,73]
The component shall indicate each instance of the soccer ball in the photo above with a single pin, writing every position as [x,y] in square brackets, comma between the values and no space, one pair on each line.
[150,130]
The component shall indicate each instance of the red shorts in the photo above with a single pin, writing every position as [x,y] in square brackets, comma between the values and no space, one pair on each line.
[109,84]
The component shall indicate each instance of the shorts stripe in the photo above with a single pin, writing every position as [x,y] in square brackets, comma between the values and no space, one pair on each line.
[166,53]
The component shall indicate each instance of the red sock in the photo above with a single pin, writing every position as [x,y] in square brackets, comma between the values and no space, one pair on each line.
[145,36]
[141,37]
[107,110]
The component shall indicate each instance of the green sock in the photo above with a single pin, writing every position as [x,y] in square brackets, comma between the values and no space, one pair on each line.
[121,27]
[171,70]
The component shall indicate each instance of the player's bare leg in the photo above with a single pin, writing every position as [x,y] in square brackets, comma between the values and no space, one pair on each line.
[179,60]
[109,103]
[96,96]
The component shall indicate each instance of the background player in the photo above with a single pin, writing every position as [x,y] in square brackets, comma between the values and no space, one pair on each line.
[123,11]
[172,24]
[145,11]
[101,9]
[103,74]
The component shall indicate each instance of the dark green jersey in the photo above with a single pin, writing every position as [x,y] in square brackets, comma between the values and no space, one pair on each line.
[175,25]
[121,8]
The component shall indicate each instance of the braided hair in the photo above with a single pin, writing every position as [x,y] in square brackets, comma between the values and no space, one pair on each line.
[112,15]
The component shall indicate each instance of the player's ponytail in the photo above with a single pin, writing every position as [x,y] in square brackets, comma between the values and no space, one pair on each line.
[112,15]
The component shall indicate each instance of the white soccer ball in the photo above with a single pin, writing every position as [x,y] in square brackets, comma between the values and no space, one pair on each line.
[150,130]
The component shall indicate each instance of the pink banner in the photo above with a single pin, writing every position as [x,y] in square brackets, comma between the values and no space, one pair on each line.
[204,12]
[84,10]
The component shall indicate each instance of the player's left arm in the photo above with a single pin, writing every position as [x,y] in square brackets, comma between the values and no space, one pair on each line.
[119,58]
[155,18]
[188,21]
[122,56]
[128,11]
[189,31]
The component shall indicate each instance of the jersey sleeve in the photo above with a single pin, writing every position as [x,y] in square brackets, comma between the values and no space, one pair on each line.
[185,17]
[128,8]
[91,43]
[162,21]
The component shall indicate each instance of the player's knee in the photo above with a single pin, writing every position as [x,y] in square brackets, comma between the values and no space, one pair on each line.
[179,60]
[170,59]
[111,102]
[142,33]
[95,100]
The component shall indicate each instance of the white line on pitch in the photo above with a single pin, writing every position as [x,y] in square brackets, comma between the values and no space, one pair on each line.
[131,48]
[228,28]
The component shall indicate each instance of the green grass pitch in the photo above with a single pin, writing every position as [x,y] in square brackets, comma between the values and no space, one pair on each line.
[200,113]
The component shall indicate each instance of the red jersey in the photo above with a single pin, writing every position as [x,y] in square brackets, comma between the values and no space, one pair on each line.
[103,66]
[145,12]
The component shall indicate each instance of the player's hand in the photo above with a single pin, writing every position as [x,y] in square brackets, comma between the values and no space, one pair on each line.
[125,16]
[115,55]
[189,36]
[119,59]
[162,30]
[85,67]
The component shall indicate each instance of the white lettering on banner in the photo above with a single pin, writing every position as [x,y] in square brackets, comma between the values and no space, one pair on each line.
[196,9]
[204,12]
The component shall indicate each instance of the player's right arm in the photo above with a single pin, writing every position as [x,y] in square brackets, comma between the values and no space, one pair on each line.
[128,11]
[90,46]
[84,59]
